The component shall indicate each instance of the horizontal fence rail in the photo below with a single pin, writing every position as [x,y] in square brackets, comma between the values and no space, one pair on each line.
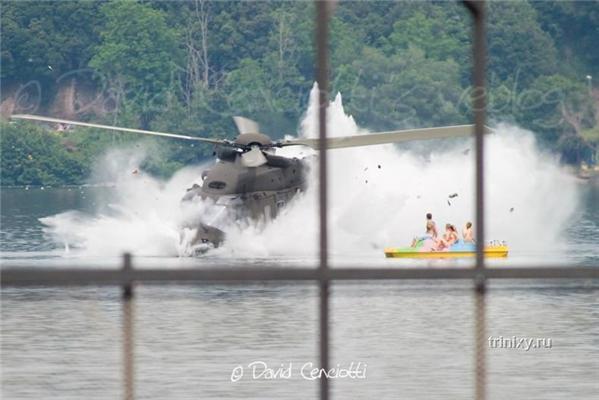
[28,276]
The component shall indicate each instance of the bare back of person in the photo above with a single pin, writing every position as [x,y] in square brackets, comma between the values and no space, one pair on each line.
[468,234]
[431,231]
[431,228]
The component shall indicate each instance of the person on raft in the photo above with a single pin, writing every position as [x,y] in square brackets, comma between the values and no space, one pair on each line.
[431,227]
[449,238]
[431,231]
[468,234]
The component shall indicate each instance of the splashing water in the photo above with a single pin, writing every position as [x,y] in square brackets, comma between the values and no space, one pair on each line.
[141,215]
[379,196]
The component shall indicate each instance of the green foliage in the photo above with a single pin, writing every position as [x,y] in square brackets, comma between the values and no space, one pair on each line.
[440,37]
[42,39]
[559,104]
[189,66]
[401,90]
[518,47]
[574,149]
[574,27]
[591,135]
[32,156]
[138,54]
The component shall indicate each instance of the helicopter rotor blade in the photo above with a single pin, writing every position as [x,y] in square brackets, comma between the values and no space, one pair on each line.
[119,129]
[387,137]
[253,158]
[246,125]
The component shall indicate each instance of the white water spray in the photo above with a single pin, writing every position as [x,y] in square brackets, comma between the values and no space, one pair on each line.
[378,197]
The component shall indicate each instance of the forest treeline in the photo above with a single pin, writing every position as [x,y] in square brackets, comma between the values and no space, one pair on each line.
[188,66]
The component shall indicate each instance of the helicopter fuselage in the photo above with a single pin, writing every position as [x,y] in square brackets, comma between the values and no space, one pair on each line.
[247,193]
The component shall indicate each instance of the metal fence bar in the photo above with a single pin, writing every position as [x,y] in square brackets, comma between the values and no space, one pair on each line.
[477,10]
[322,75]
[27,276]
[128,331]
[480,333]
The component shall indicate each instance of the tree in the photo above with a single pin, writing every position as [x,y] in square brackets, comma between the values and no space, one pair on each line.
[32,156]
[138,55]
[43,40]
[196,44]
[441,36]
[189,66]
[574,27]
[404,90]
[518,46]
[555,105]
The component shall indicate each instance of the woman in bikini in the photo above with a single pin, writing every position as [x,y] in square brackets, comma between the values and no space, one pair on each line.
[449,237]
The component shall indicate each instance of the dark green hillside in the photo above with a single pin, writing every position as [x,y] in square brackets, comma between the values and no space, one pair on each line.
[189,66]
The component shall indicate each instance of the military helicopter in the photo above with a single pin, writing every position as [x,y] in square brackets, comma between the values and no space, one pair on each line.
[248,179]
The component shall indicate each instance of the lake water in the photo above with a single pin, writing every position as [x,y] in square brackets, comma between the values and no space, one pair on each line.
[414,340]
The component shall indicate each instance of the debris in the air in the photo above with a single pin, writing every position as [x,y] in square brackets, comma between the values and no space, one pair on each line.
[453,195]
[448,203]
[512,209]
[465,152]
[366,180]
[50,68]
[135,172]
[379,166]
[366,169]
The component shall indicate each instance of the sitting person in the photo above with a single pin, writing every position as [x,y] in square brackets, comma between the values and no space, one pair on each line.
[431,231]
[468,234]
[449,238]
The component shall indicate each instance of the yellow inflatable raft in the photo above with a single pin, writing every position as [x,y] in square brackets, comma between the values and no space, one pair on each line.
[458,251]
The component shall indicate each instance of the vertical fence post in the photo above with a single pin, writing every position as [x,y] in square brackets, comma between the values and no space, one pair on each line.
[128,345]
[481,342]
[322,32]
[477,9]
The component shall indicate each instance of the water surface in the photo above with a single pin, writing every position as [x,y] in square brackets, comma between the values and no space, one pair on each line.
[415,338]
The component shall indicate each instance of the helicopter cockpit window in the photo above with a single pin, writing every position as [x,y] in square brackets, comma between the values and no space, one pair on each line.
[217,185]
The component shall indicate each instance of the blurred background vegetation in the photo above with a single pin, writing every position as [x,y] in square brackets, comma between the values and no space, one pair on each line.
[187,67]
